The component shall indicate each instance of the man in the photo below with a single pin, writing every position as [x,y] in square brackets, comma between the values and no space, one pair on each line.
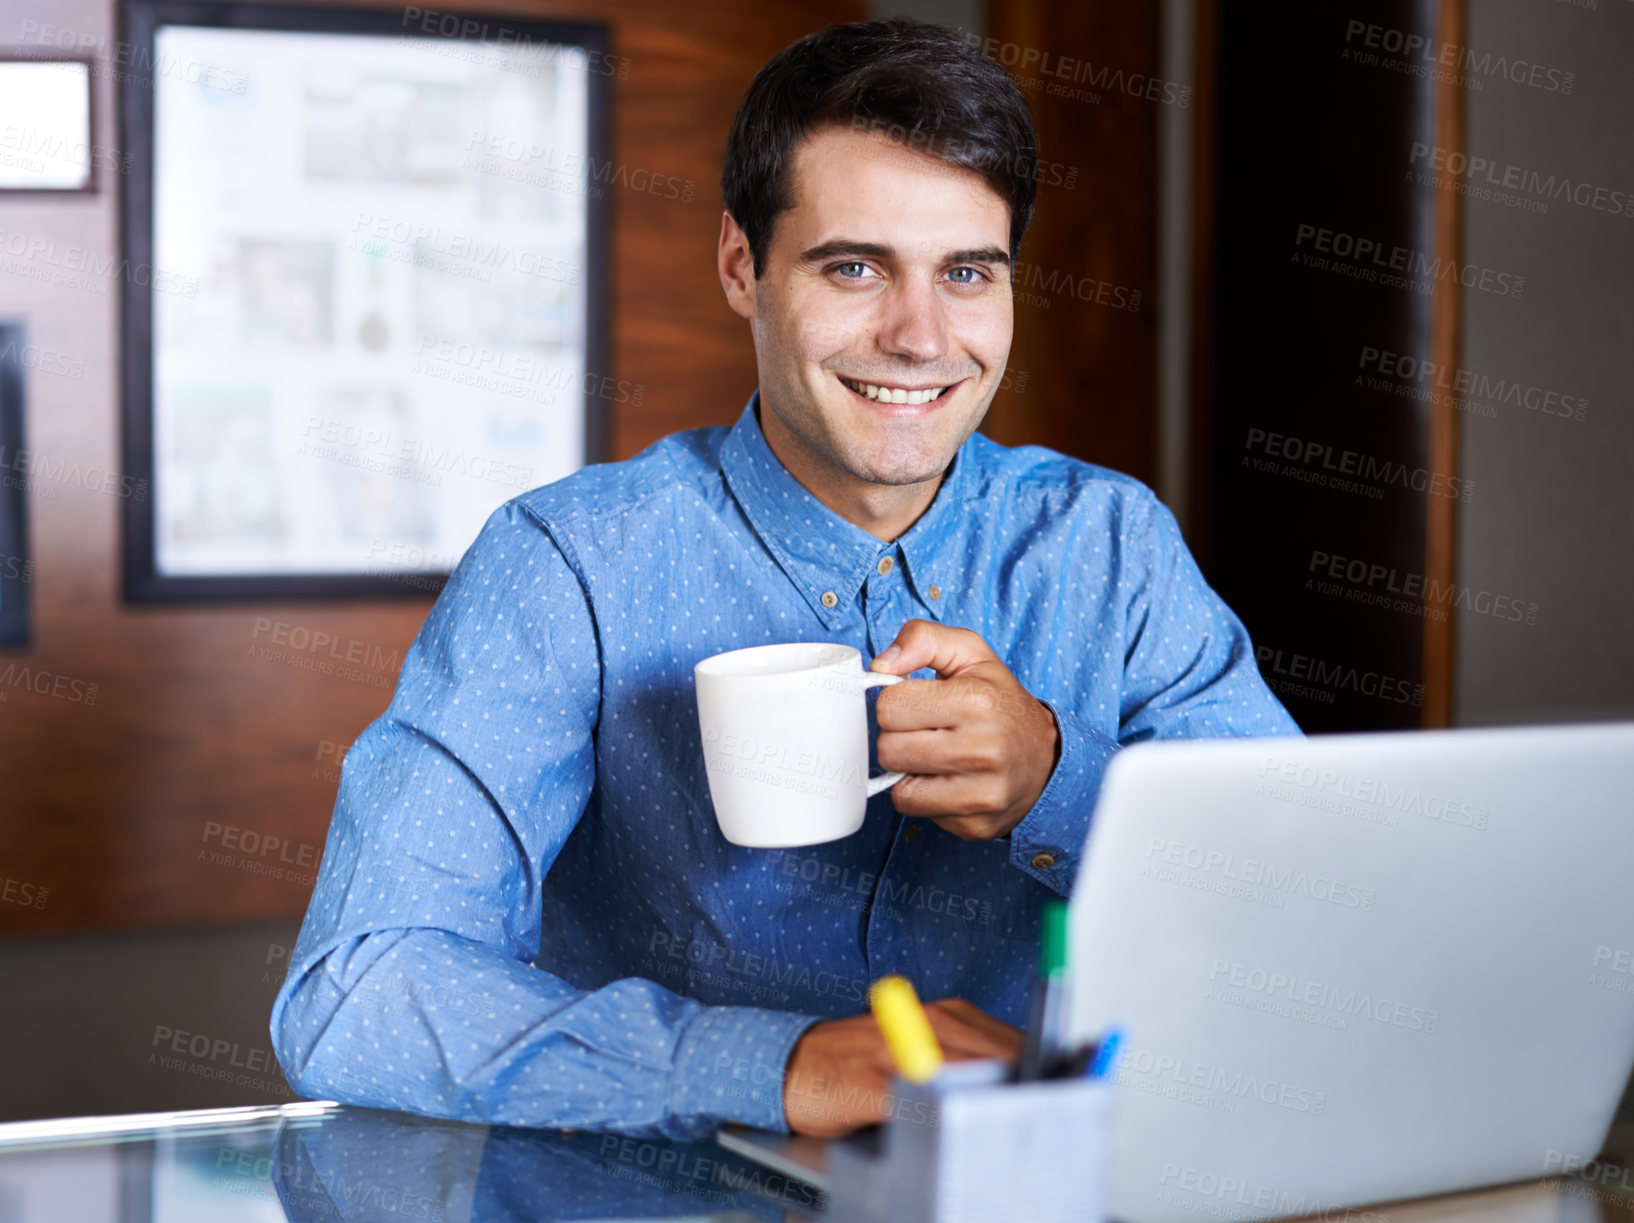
[526,912]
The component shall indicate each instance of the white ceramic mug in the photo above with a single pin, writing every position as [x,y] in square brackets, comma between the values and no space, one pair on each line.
[785,739]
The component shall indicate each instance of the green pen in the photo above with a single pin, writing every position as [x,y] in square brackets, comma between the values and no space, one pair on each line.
[1047,1017]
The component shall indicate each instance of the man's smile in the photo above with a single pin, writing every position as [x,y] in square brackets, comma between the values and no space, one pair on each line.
[897,393]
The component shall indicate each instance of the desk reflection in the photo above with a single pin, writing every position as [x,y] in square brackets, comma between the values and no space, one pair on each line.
[312,1162]
[362,1166]
[317,1161]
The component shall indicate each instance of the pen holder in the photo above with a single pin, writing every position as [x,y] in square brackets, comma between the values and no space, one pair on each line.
[971,1146]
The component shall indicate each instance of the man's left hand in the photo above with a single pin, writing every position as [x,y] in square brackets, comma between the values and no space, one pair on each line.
[978,747]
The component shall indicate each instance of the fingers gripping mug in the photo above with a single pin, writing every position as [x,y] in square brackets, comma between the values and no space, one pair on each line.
[785,739]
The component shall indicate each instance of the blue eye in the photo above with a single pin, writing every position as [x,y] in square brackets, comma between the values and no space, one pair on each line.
[958,279]
[857,269]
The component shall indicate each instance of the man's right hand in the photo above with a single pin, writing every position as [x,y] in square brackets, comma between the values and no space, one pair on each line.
[840,1074]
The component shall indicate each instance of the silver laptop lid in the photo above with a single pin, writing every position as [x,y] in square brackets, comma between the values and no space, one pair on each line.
[1358,968]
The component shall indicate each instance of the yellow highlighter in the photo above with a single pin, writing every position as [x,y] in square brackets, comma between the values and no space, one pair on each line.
[907,1030]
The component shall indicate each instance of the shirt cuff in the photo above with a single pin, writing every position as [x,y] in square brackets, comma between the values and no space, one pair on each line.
[1049,841]
[730,1063]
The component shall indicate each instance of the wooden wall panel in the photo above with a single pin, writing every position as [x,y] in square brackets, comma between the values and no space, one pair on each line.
[108,804]
[1086,327]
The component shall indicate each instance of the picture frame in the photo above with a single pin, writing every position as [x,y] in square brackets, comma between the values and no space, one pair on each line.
[48,133]
[16,566]
[363,301]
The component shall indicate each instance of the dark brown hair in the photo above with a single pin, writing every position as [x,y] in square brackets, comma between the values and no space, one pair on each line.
[918,84]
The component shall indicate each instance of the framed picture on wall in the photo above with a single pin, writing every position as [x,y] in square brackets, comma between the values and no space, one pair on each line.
[47,143]
[365,298]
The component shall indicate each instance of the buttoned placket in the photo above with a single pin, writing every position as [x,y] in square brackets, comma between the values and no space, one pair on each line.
[889,602]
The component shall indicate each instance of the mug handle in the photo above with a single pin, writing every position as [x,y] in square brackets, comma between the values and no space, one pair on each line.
[879,679]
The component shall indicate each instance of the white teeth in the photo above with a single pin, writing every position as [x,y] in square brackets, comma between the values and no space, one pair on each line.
[894,394]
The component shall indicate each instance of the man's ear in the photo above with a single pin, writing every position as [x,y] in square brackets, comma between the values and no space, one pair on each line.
[736,264]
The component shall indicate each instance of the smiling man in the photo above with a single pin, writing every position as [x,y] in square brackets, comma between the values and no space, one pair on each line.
[526,912]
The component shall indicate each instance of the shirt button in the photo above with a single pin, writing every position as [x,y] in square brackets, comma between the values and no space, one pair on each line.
[935,592]
[829,598]
[1043,862]
[884,565]
[913,831]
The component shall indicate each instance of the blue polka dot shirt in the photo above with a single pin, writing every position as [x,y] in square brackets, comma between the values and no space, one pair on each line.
[526,913]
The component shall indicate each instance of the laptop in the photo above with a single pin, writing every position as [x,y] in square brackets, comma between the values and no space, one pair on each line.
[1358,968]
[1351,969]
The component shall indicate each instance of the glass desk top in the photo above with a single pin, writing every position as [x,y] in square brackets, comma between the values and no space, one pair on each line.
[312,1161]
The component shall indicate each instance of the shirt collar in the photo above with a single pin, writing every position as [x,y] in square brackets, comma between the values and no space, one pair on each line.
[826,557]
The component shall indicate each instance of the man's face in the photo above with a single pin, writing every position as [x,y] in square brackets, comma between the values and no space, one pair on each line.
[888,280]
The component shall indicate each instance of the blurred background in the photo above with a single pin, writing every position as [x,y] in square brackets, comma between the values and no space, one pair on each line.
[1348,285]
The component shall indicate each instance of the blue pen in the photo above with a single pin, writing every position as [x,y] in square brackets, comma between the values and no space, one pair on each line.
[1105,1055]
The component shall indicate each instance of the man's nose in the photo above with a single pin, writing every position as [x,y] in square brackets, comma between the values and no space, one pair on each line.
[913,324]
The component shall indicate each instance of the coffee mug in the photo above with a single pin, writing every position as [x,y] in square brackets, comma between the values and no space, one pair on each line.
[785,739]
